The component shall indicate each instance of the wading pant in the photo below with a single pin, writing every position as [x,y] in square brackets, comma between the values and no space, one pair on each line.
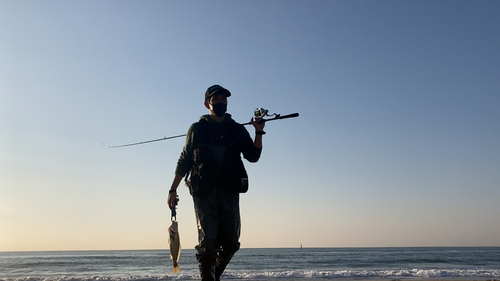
[218,219]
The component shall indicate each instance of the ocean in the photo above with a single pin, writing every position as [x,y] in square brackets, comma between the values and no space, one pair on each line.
[477,263]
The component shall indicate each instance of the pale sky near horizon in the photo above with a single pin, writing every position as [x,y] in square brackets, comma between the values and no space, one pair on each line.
[397,143]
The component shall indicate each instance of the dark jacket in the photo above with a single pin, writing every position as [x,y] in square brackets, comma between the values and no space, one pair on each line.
[226,141]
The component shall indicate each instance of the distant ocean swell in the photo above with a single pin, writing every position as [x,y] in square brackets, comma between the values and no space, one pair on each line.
[482,274]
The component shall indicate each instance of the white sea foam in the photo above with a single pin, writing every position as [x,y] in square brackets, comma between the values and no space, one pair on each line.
[369,274]
[309,274]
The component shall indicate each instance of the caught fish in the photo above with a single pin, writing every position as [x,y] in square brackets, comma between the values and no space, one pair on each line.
[175,245]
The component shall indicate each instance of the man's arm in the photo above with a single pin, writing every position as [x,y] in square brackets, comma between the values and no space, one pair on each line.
[172,194]
[183,165]
[259,131]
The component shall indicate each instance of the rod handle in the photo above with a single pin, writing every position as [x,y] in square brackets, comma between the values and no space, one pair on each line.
[289,116]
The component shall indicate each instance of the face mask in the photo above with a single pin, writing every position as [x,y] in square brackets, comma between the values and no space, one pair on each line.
[219,109]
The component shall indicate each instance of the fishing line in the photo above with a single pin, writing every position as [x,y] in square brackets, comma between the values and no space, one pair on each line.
[258,113]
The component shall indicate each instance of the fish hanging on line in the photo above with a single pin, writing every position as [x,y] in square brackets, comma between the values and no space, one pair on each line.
[175,245]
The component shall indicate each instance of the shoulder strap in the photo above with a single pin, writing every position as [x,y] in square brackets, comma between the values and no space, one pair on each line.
[202,131]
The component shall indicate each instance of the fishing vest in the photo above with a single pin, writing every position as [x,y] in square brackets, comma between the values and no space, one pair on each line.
[217,160]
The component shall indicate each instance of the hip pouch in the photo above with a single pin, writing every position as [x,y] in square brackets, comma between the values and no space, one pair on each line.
[234,175]
[235,179]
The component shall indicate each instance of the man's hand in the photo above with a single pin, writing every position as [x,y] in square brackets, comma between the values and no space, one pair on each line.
[172,194]
[172,200]
[258,125]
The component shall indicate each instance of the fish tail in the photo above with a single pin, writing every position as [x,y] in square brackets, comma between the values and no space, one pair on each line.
[176,269]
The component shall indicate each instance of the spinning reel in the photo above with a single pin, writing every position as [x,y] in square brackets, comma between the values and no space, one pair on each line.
[261,113]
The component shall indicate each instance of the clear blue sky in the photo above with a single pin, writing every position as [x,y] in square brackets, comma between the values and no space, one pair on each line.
[397,143]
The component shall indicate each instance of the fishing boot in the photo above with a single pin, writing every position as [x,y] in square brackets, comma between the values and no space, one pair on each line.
[206,264]
[207,272]
[219,269]
[222,261]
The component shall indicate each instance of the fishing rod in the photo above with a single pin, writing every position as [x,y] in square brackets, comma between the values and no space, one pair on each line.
[258,113]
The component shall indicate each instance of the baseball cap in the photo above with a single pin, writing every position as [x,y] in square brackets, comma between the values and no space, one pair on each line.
[216,89]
